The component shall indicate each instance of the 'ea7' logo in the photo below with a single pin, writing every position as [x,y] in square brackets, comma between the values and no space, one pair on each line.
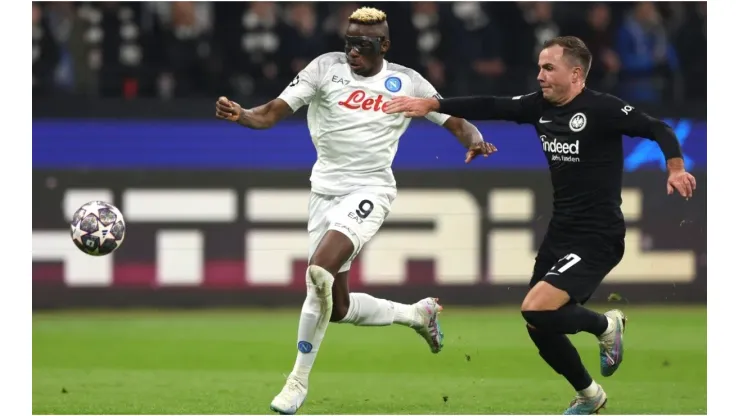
[649,151]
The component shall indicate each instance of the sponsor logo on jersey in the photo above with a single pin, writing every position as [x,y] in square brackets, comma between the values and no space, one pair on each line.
[561,151]
[359,100]
[339,80]
[393,84]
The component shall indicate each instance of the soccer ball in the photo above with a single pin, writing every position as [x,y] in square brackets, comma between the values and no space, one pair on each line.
[98,228]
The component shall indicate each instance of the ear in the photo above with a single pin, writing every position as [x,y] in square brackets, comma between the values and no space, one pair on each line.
[385,46]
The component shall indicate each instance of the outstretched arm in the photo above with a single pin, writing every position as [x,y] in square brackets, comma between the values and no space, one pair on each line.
[301,91]
[258,118]
[520,109]
[484,108]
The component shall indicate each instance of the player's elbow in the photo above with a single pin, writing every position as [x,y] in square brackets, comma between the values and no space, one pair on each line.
[454,125]
[264,123]
[275,111]
[661,130]
[466,133]
[266,120]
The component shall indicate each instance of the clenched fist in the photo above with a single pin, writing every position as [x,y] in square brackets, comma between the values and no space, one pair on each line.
[227,110]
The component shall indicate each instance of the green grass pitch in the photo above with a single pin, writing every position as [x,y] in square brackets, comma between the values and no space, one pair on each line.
[234,362]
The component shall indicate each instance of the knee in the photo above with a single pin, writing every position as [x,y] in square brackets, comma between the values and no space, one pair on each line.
[535,304]
[537,319]
[338,312]
[325,262]
[534,312]
[340,306]
[544,297]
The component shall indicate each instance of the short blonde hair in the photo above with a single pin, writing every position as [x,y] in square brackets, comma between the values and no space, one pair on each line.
[367,16]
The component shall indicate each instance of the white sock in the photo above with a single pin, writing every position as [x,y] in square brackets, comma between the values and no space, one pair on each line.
[610,326]
[590,391]
[312,325]
[365,310]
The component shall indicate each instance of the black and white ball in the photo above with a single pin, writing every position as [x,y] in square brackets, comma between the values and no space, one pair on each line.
[98,228]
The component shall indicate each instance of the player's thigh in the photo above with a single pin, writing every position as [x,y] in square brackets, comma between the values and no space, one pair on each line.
[360,215]
[580,270]
[544,261]
[319,208]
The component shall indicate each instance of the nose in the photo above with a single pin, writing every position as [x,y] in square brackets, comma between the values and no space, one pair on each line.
[541,76]
[353,53]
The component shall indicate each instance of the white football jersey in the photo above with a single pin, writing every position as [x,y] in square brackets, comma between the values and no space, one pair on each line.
[355,140]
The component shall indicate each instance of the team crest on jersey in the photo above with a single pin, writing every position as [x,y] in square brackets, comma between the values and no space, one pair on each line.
[393,84]
[295,81]
[577,122]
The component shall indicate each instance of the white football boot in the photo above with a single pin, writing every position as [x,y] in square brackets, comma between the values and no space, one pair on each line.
[290,399]
[428,310]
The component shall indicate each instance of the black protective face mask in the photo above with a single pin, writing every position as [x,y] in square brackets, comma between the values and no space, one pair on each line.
[364,45]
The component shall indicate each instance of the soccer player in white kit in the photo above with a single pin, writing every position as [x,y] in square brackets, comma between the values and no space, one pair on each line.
[352,184]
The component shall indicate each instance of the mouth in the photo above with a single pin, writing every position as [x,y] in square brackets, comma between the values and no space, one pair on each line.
[355,65]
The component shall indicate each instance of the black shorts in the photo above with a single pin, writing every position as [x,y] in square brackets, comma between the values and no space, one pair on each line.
[576,264]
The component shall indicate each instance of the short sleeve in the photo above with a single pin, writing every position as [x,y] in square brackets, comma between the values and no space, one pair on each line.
[304,86]
[424,89]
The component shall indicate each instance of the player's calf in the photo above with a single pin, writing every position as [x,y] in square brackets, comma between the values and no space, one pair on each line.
[312,326]
[569,319]
[423,316]
[547,308]
[341,297]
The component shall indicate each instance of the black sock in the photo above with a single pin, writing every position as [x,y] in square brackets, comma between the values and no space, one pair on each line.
[562,356]
[570,319]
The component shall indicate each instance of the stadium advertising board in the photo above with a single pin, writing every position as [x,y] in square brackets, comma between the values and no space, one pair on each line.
[130,144]
[198,238]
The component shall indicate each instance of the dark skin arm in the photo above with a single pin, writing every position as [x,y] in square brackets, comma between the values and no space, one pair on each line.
[267,115]
[258,118]
[469,136]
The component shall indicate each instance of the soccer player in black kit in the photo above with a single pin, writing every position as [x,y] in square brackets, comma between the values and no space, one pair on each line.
[581,133]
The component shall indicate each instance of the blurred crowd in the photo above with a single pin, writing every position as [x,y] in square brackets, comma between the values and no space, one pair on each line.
[644,52]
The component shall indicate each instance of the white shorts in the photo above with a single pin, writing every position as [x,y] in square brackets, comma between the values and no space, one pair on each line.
[357,215]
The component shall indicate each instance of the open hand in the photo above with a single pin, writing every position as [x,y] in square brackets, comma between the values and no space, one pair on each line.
[681,181]
[411,106]
[479,148]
